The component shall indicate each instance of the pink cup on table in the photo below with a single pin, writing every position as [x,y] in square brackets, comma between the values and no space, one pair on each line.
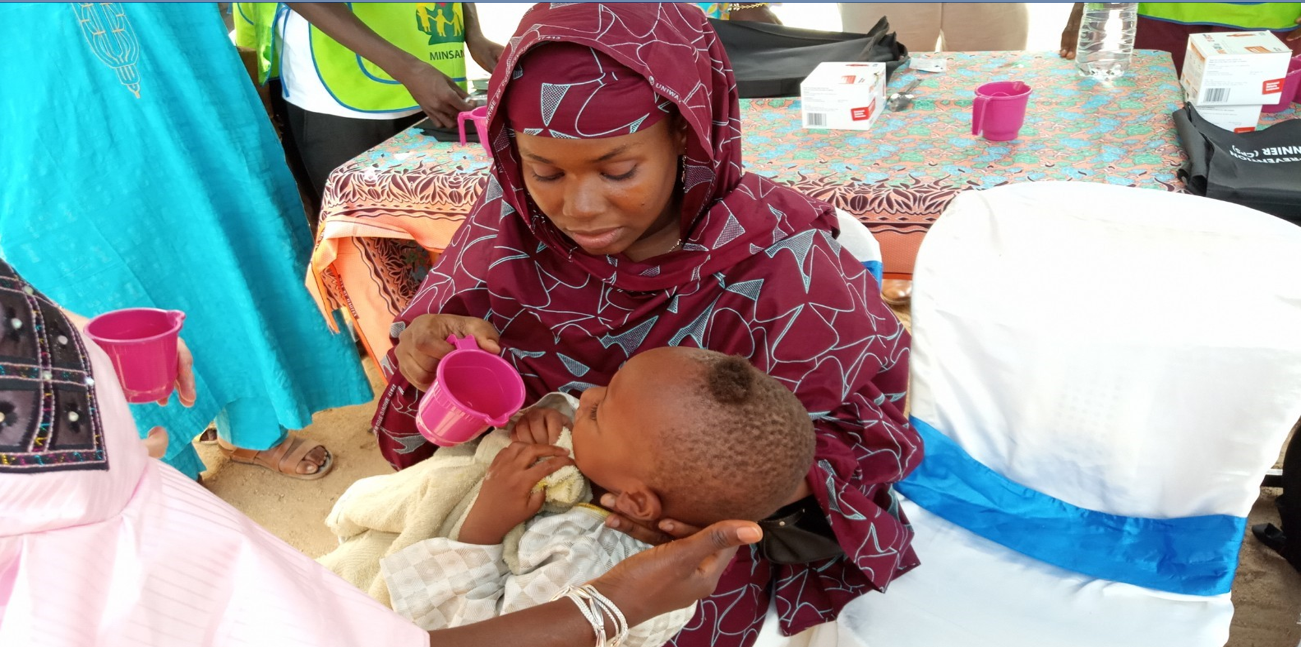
[142,344]
[1290,88]
[473,391]
[479,117]
[999,110]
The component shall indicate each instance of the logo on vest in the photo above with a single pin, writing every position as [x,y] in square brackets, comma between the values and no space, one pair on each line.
[441,21]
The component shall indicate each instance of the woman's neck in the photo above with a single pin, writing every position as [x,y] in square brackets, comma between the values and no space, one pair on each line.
[663,240]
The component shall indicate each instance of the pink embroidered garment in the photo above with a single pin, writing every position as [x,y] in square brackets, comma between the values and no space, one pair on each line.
[761,274]
[102,546]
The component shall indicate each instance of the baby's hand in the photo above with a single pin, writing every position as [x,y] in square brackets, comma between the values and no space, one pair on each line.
[540,425]
[508,495]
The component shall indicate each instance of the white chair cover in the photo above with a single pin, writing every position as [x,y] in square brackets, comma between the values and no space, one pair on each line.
[1126,351]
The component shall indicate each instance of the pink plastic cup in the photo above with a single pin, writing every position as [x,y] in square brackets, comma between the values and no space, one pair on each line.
[1290,88]
[479,117]
[473,391]
[999,110]
[142,343]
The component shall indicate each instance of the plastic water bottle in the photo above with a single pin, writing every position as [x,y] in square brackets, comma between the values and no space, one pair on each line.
[1105,39]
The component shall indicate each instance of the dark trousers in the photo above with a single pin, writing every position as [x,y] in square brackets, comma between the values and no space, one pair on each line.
[324,142]
[1289,501]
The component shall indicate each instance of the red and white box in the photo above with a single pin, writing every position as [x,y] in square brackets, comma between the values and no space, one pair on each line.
[843,96]
[1238,119]
[1235,68]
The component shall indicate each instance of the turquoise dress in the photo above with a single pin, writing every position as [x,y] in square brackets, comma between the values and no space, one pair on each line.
[141,170]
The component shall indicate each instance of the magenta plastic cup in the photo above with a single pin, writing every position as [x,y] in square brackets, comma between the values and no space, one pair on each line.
[999,110]
[480,118]
[473,391]
[142,344]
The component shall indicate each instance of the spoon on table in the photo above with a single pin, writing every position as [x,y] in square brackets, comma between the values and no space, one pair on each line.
[901,100]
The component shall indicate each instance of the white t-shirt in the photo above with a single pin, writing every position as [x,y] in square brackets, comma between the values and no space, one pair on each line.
[302,86]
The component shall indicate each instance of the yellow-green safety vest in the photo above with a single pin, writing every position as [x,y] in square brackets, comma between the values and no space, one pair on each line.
[1277,16]
[254,30]
[432,31]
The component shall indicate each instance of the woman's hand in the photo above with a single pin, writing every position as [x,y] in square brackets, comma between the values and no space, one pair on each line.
[484,51]
[540,425]
[156,443]
[665,529]
[185,385]
[674,575]
[508,495]
[424,342]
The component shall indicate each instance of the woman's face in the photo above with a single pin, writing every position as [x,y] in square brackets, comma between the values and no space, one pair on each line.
[612,195]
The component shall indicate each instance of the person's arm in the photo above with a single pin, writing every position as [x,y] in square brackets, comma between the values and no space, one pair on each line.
[435,92]
[753,12]
[657,581]
[483,51]
[1069,37]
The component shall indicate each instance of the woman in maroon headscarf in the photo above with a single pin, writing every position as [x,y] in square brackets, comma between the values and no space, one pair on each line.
[618,218]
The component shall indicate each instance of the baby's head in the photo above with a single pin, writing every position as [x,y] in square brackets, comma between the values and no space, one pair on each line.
[695,436]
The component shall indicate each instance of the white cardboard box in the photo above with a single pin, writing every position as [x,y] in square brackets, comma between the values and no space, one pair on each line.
[1238,119]
[843,96]
[1235,68]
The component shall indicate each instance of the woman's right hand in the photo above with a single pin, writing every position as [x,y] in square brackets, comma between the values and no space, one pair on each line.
[425,341]
[676,574]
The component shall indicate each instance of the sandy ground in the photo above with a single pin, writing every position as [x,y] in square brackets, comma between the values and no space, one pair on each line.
[1266,593]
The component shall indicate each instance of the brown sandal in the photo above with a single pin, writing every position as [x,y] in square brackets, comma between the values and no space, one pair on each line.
[283,458]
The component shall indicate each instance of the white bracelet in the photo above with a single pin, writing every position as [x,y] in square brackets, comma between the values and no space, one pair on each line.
[611,610]
[596,608]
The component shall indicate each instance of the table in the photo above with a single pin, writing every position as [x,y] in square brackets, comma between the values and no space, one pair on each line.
[389,212]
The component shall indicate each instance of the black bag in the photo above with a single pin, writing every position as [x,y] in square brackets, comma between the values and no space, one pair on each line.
[429,129]
[772,60]
[1260,170]
[798,533]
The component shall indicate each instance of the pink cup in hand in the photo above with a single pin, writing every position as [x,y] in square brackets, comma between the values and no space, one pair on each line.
[999,110]
[479,117]
[473,391]
[142,344]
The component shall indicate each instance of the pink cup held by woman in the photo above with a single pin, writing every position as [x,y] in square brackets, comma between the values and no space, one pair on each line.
[142,343]
[473,391]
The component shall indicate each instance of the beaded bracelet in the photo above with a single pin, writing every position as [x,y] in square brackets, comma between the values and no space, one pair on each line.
[741,7]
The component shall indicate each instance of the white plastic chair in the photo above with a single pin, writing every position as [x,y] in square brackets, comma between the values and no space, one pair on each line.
[1125,351]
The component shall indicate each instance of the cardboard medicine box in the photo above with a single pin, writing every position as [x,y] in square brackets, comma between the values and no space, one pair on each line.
[1235,68]
[843,96]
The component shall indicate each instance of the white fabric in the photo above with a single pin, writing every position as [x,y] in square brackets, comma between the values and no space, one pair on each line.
[381,515]
[440,583]
[856,238]
[302,86]
[1076,338]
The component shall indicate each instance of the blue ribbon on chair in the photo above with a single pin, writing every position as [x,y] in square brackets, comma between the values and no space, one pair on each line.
[1188,555]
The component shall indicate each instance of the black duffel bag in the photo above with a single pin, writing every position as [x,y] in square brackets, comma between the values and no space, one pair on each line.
[772,60]
[1260,170]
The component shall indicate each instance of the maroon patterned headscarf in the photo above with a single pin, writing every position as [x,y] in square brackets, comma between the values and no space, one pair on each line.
[570,91]
[761,274]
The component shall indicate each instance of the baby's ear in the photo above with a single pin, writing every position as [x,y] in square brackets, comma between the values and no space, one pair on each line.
[640,504]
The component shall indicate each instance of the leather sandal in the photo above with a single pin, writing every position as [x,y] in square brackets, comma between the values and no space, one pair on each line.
[284,458]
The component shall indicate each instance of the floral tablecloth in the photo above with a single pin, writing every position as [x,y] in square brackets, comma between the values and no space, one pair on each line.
[387,213]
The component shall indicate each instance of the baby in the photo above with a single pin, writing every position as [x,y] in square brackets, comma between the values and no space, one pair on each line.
[680,433]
